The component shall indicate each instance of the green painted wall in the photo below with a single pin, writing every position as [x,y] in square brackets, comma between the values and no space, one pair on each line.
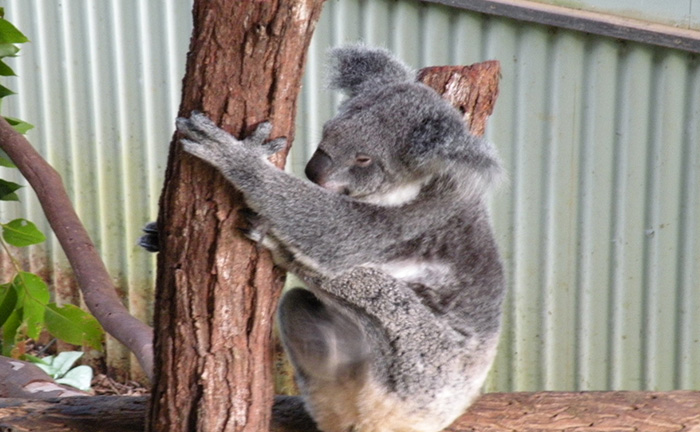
[678,13]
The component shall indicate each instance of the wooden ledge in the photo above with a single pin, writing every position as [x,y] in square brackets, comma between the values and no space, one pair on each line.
[583,411]
[495,412]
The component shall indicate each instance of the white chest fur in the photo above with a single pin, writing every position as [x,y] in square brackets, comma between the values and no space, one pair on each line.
[417,271]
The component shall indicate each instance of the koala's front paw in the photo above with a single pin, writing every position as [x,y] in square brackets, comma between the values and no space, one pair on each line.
[204,139]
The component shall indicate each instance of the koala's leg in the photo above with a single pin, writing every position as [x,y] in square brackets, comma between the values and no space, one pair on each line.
[420,375]
[322,342]
[330,353]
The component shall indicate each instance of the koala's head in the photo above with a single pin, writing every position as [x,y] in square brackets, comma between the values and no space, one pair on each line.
[383,144]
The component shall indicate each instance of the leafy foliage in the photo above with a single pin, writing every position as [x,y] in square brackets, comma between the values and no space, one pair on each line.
[73,325]
[21,232]
[59,368]
[25,308]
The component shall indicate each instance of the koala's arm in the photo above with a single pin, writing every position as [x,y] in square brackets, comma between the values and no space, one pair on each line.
[319,225]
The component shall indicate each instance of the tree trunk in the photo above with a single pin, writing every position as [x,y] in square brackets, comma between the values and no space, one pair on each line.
[216,293]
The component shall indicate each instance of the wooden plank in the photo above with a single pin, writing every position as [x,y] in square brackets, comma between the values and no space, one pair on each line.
[495,412]
[584,21]
[583,411]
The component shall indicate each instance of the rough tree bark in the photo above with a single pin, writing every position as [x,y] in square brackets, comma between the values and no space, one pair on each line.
[216,293]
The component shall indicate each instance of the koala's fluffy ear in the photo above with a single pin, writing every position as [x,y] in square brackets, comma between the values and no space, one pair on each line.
[435,136]
[355,68]
[443,138]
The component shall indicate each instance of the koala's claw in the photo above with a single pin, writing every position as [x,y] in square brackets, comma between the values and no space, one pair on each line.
[149,240]
[251,217]
[255,226]
[260,134]
[252,234]
[195,148]
[258,143]
[199,127]
[275,145]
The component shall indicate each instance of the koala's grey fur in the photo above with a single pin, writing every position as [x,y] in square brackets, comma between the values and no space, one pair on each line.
[400,322]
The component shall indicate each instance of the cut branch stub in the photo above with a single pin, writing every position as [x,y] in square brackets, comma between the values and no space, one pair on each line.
[471,89]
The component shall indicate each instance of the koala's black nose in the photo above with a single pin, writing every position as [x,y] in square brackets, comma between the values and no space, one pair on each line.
[317,168]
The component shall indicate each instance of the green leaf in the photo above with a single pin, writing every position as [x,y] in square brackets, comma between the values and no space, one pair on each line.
[6,70]
[9,332]
[8,50]
[73,325]
[36,297]
[10,34]
[4,91]
[20,126]
[21,232]
[5,159]
[79,377]
[56,366]
[64,361]
[7,190]
[8,302]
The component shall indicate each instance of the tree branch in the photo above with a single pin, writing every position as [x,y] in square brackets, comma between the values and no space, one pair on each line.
[94,281]
[19,379]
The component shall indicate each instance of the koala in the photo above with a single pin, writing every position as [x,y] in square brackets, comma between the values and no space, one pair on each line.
[400,320]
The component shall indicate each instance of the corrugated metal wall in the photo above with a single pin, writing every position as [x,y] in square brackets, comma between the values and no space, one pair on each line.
[598,224]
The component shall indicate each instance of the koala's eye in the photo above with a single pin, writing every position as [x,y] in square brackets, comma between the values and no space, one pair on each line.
[363,160]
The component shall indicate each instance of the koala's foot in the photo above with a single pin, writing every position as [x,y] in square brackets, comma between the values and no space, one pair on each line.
[204,139]
[324,343]
[149,240]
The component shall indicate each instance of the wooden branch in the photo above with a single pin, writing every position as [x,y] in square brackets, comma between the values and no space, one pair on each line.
[583,412]
[494,412]
[19,379]
[94,281]
[73,414]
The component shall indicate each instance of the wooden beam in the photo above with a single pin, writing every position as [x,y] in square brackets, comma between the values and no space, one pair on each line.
[75,414]
[585,21]
[583,412]
[494,412]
